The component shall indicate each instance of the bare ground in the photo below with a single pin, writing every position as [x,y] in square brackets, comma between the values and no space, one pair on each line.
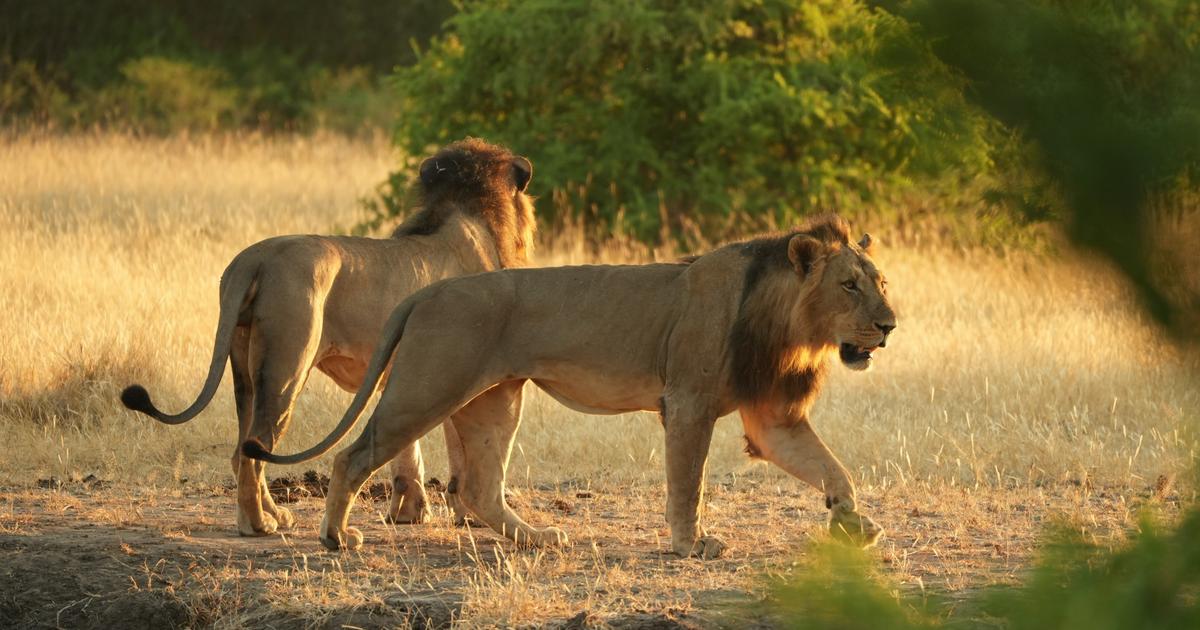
[86,554]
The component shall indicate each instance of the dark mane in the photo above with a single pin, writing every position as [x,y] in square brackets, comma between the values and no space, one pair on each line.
[760,357]
[473,177]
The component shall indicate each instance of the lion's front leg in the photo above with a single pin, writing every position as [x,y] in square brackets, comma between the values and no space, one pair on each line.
[688,435]
[791,444]
[458,471]
[409,503]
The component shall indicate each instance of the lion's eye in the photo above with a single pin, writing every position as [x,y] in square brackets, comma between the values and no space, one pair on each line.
[850,286]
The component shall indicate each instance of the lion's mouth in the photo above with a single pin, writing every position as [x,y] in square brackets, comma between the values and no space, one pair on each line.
[855,356]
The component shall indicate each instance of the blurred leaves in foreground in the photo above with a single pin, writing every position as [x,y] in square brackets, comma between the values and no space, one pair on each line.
[1108,93]
[1151,582]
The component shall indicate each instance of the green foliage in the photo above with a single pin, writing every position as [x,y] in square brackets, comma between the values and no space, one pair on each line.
[1153,582]
[635,112]
[26,92]
[175,64]
[1108,95]
[164,94]
[838,589]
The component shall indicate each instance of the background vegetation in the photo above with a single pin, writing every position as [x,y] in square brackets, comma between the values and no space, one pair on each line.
[655,116]
[680,118]
[1020,388]
[174,65]
[671,122]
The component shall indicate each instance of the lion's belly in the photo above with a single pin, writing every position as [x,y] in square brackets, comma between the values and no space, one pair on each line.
[347,372]
[603,395]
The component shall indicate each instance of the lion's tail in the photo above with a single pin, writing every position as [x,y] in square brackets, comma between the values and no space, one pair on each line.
[238,282]
[392,332]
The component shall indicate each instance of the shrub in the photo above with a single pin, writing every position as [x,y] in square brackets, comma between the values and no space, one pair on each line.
[195,65]
[167,94]
[635,113]
[1152,582]
[26,93]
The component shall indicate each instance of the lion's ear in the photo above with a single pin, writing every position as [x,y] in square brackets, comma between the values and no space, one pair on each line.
[803,251]
[432,170]
[522,172]
[866,243]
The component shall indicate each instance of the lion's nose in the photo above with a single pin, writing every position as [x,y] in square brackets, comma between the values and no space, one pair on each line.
[886,329]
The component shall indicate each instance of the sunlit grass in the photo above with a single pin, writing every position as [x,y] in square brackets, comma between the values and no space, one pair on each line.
[1006,369]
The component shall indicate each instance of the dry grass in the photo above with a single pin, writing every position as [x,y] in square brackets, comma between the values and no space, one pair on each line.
[1004,370]
[171,555]
[1007,374]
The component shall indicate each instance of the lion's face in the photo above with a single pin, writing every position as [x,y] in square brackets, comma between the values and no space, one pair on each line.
[851,296]
[863,317]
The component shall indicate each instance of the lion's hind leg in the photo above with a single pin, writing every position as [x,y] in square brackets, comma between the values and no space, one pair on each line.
[281,357]
[487,428]
[402,416]
[386,435]
[257,514]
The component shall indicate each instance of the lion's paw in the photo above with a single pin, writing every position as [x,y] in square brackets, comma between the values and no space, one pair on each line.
[548,538]
[268,527]
[349,540]
[705,547]
[284,518]
[408,515]
[853,528]
[461,514]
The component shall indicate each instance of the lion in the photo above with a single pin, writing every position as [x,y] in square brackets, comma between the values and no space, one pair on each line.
[747,327]
[292,303]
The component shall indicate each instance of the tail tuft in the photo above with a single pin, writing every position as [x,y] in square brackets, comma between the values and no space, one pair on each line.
[136,397]
[254,450]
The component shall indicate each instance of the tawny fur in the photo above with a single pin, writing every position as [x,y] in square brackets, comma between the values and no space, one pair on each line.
[292,303]
[747,327]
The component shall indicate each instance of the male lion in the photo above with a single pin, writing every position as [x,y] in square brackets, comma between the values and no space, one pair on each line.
[746,327]
[292,303]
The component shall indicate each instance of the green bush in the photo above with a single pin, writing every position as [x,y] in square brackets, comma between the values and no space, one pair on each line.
[638,112]
[27,93]
[167,94]
[179,64]
[1152,582]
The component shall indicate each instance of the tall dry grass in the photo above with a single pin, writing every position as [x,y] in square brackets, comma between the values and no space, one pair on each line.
[1012,369]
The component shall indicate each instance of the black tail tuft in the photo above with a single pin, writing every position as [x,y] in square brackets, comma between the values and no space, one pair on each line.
[136,397]
[254,450]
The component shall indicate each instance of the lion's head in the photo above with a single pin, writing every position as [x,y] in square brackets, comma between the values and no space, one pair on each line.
[806,294]
[483,180]
[845,293]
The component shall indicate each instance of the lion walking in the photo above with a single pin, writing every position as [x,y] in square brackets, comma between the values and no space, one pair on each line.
[293,303]
[747,327]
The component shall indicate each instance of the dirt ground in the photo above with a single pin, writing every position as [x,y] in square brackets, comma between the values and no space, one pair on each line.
[83,553]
